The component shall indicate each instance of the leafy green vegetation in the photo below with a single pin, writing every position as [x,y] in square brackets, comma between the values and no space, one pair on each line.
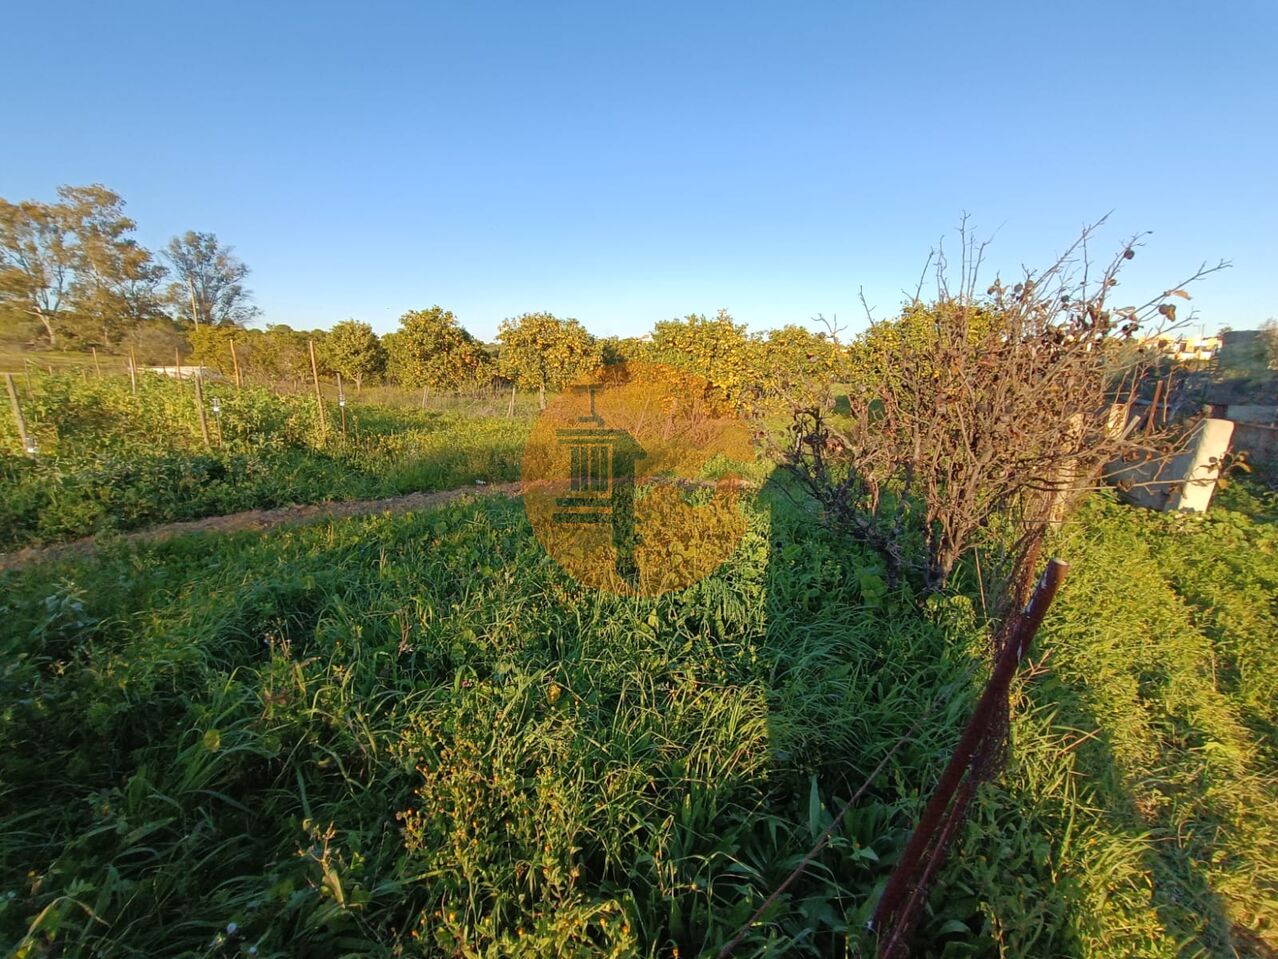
[344,735]
[112,461]
[416,735]
[1138,813]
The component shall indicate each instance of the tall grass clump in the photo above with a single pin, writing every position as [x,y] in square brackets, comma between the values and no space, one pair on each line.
[1137,815]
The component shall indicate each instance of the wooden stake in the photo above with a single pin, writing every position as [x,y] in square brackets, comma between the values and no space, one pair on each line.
[17,415]
[235,361]
[199,405]
[1153,407]
[319,397]
[133,371]
[341,403]
[96,365]
[510,410]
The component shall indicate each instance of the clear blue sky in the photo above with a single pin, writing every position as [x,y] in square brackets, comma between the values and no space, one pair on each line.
[628,162]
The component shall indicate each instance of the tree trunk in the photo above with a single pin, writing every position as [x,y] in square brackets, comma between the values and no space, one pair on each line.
[48,328]
[541,396]
[195,315]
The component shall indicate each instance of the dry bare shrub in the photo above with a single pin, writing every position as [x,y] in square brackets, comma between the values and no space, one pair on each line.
[993,409]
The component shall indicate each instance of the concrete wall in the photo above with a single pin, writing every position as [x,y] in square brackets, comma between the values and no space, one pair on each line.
[1260,413]
[1184,481]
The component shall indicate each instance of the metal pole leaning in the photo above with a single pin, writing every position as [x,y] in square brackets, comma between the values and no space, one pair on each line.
[1020,635]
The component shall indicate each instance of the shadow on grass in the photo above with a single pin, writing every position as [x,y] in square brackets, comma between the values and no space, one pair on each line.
[416,733]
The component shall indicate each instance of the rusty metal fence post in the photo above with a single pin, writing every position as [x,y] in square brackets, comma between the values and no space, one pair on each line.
[905,892]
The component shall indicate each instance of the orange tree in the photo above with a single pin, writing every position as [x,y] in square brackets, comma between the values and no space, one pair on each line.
[211,347]
[539,351]
[718,349]
[799,365]
[431,349]
[352,349]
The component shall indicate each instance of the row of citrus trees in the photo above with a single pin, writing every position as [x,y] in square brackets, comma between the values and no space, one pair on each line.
[540,352]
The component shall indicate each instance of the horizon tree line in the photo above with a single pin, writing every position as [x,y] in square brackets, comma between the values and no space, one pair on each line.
[73,276]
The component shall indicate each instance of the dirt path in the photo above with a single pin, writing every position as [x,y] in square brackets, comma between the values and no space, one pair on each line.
[261,519]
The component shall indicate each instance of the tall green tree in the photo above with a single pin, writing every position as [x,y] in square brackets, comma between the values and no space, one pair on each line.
[117,279]
[354,350]
[539,351]
[74,267]
[431,349]
[208,282]
[38,267]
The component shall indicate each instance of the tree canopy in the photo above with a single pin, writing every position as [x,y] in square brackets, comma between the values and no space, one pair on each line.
[431,349]
[719,350]
[208,282]
[540,351]
[74,267]
[354,350]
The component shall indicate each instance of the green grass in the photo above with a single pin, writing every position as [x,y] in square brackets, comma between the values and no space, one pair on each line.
[22,362]
[1139,815]
[415,735]
[417,732]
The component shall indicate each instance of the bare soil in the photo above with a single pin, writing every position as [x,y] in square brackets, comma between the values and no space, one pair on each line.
[260,520]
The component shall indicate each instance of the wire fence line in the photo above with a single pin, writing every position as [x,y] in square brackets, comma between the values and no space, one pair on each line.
[208,396]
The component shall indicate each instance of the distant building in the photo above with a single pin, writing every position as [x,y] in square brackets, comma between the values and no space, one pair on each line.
[184,372]
[1187,349]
